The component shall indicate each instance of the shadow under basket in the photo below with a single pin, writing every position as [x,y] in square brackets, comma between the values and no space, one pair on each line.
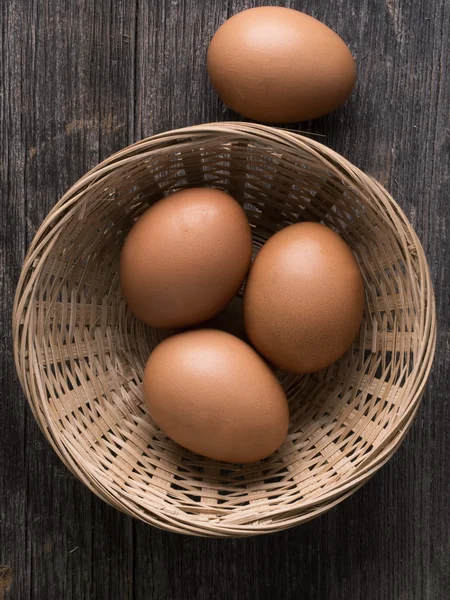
[80,353]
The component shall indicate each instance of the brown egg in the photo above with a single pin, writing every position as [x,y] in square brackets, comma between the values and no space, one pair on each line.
[279,65]
[212,393]
[304,298]
[185,258]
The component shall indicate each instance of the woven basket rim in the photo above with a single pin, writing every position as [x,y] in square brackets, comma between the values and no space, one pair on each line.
[291,141]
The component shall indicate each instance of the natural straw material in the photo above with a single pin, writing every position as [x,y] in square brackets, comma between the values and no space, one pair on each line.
[80,354]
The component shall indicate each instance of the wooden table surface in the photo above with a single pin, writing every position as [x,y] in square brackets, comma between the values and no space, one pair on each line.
[81,79]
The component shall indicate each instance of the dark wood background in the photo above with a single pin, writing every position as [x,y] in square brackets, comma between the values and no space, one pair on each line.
[81,79]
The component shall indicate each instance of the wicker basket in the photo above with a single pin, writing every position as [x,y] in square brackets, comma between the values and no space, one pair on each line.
[80,354]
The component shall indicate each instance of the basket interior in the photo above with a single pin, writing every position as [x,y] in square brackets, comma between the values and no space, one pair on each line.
[87,352]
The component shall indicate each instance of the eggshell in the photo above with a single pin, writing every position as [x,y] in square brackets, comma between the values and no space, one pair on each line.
[304,298]
[185,258]
[214,395]
[279,65]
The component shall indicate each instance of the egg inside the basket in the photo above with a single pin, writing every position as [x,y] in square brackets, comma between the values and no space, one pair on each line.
[81,353]
[213,394]
[185,258]
[304,298]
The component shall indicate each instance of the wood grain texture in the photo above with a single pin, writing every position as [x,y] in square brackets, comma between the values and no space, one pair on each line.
[78,81]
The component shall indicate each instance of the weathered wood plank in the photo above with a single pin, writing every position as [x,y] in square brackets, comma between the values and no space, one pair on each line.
[13,468]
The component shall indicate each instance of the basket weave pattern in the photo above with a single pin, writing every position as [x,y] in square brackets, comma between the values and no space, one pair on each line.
[80,353]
